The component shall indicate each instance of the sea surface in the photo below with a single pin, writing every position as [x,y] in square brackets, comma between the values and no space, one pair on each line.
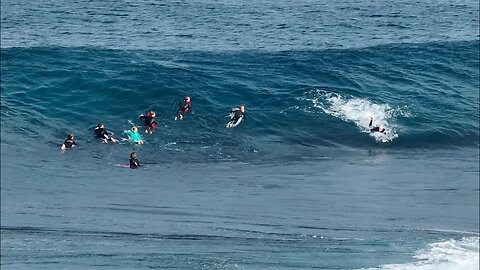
[300,184]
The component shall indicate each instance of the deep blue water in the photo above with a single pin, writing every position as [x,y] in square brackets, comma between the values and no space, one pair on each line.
[300,184]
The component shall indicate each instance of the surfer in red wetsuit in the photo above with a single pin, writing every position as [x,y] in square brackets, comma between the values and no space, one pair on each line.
[183,107]
[149,121]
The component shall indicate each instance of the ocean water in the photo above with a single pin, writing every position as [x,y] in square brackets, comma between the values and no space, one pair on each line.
[300,184]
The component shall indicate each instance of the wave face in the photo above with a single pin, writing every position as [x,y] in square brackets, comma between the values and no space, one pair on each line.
[425,95]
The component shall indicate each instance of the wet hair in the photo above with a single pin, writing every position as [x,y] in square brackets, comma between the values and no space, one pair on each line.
[70,136]
[133,155]
[100,125]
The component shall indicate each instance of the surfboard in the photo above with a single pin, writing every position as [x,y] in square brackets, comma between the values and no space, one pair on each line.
[232,124]
[127,166]
[123,166]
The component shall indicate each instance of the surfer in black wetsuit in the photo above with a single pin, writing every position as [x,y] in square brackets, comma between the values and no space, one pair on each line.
[134,163]
[69,142]
[183,107]
[149,121]
[237,114]
[380,129]
[102,133]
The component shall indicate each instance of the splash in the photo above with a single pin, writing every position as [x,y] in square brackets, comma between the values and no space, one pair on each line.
[359,111]
[447,255]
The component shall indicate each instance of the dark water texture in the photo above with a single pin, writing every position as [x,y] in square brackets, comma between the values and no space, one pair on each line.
[208,25]
[430,89]
[300,184]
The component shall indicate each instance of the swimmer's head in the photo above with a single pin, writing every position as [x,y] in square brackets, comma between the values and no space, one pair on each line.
[70,136]
[133,155]
[381,129]
[134,129]
[100,125]
[152,113]
[242,108]
[187,99]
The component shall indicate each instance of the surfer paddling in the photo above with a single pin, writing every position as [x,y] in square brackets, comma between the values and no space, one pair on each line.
[149,121]
[102,133]
[236,116]
[183,107]
[380,129]
[69,142]
[134,135]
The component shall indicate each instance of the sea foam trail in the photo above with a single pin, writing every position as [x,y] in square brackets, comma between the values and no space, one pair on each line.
[452,254]
[359,111]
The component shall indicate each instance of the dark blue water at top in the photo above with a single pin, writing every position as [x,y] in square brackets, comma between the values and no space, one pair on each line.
[300,184]
[233,25]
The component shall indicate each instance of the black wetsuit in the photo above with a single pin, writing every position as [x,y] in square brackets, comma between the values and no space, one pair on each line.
[375,129]
[134,163]
[103,133]
[237,114]
[149,121]
[69,143]
[184,107]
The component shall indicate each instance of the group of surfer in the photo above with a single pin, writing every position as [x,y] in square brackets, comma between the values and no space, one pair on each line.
[150,123]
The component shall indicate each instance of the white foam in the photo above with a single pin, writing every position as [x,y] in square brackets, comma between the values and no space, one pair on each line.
[452,254]
[359,111]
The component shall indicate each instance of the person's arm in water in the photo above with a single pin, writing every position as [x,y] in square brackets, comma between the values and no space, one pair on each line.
[371,121]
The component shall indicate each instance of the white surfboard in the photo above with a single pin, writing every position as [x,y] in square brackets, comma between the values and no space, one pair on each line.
[232,124]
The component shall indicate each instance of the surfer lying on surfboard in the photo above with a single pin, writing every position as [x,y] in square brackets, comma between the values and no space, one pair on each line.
[133,135]
[102,133]
[236,116]
[183,107]
[149,121]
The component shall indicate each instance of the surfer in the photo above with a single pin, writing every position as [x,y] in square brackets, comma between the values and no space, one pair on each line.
[134,163]
[149,121]
[380,129]
[133,135]
[69,142]
[102,133]
[183,107]
[236,116]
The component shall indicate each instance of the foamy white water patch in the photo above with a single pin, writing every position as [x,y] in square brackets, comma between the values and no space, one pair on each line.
[359,111]
[453,254]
